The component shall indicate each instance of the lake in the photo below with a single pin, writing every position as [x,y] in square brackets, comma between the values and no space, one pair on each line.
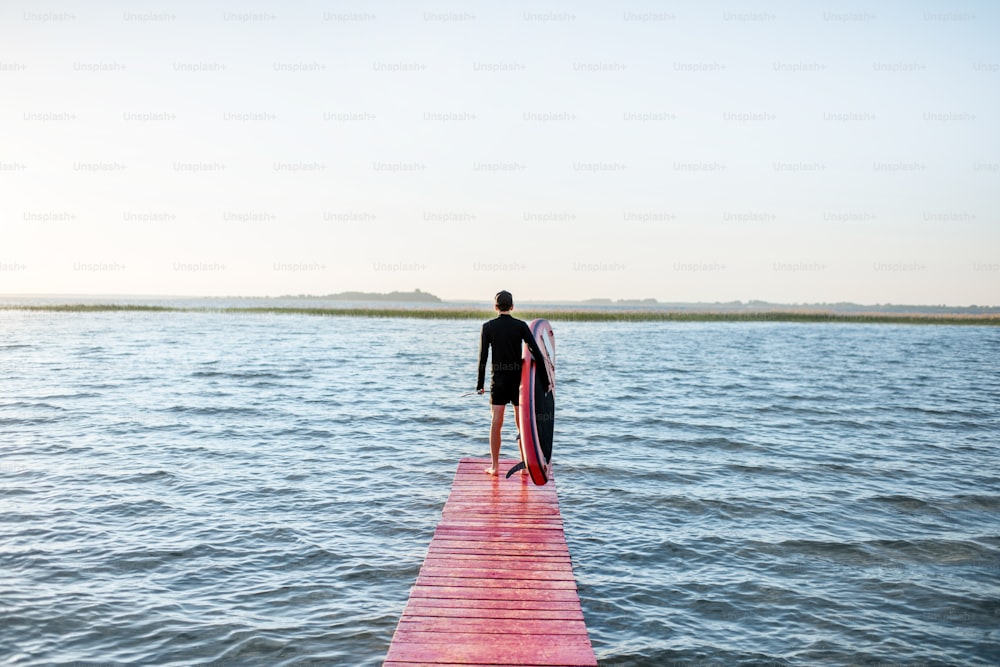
[204,488]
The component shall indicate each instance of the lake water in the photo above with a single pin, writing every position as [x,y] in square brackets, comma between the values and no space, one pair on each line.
[203,488]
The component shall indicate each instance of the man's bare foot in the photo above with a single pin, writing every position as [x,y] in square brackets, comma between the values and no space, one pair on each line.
[491,471]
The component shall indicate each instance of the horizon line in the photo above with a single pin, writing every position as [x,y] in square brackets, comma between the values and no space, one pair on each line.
[611,300]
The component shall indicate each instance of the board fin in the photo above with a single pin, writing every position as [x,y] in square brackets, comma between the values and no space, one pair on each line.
[519,466]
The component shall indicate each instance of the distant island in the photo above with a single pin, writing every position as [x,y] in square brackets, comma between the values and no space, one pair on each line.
[395,297]
[767,307]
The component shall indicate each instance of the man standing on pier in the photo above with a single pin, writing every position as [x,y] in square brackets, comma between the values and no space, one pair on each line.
[503,334]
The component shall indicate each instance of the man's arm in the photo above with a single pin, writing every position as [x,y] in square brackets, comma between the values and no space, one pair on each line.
[526,336]
[536,352]
[484,346]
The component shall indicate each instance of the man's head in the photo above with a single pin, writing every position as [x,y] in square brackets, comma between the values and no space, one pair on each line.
[504,301]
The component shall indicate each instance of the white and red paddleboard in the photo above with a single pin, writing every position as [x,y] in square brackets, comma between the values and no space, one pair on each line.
[537,402]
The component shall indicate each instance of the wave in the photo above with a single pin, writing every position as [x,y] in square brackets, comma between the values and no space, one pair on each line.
[251,375]
[210,410]
[20,405]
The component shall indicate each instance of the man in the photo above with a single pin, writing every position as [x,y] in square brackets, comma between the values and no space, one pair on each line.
[503,335]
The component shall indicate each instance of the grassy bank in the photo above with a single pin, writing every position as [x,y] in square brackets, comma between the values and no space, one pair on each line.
[582,315]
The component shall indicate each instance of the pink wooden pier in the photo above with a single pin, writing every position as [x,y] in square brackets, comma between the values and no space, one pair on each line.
[497,585]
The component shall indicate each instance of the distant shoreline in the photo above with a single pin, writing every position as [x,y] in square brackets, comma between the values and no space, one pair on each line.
[556,315]
[416,296]
[418,299]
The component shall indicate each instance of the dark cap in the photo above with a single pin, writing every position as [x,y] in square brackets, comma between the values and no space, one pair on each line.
[504,300]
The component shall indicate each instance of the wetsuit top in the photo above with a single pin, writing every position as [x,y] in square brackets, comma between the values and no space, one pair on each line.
[504,334]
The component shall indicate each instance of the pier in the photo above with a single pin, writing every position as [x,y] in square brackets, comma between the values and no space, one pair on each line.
[497,585]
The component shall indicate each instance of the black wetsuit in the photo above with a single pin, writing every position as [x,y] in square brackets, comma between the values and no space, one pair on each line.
[504,334]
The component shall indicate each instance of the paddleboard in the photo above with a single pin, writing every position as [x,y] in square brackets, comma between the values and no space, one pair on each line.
[538,403]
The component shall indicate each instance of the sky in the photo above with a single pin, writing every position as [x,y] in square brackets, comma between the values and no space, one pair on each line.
[688,152]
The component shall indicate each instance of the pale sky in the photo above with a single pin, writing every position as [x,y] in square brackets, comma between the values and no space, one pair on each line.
[703,151]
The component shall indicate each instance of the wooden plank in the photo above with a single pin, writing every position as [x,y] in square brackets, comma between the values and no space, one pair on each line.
[474,507]
[544,532]
[550,560]
[499,537]
[501,540]
[471,517]
[490,603]
[524,613]
[559,653]
[510,488]
[497,585]
[496,639]
[479,561]
[493,625]
[486,582]
[464,520]
[508,504]
[523,548]
[436,664]
[469,593]
[521,616]
[512,549]
[522,574]
[507,498]
[494,533]
[406,632]
[553,566]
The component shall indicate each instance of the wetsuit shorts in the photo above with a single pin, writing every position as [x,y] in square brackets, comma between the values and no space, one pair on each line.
[505,388]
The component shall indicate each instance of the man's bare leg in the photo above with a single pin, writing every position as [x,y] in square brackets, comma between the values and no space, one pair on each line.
[517,420]
[495,426]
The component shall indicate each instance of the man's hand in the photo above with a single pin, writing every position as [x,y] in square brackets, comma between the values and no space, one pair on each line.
[481,391]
